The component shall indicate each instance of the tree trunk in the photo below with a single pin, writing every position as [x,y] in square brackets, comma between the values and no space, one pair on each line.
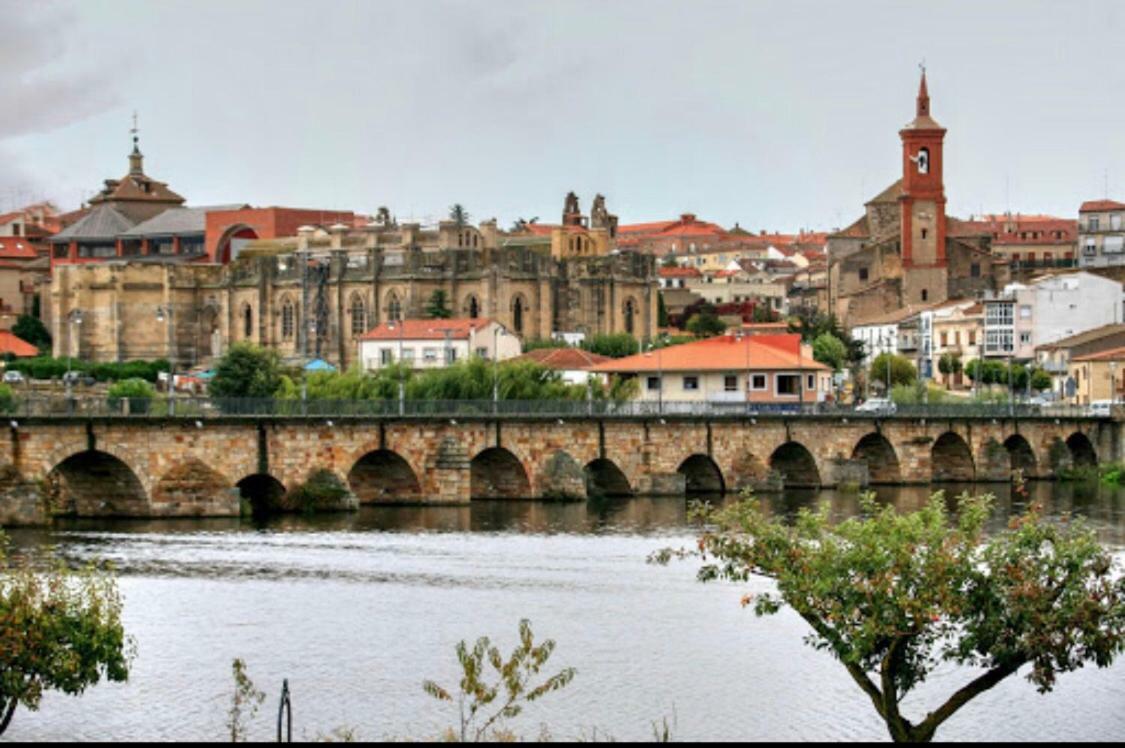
[7,710]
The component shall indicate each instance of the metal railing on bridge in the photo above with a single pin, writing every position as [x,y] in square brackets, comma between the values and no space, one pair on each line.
[228,408]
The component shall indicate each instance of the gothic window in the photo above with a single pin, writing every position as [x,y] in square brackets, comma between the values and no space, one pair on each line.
[630,310]
[925,295]
[359,315]
[287,317]
[472,306]
[517,315]
[394,308]
[247,321]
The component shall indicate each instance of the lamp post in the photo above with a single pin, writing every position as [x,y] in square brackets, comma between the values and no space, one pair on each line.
[164,314]
[496,333]
[391,325]
[74,318]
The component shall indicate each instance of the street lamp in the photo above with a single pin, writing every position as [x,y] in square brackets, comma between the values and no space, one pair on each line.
[164,314]
[74,318]
[496,333]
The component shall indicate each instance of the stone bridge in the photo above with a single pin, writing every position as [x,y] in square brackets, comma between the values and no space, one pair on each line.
[174,467]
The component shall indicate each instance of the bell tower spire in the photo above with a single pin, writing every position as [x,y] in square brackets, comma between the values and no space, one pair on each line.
[136,158]
[923,108]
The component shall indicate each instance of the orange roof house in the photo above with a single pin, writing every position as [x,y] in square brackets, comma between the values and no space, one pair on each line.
[16,346]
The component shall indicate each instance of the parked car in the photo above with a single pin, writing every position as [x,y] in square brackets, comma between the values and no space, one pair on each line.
[877,405]
[72,377]
[13,377]
[1101,408]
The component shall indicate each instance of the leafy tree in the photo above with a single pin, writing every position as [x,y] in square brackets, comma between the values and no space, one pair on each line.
[616,345]
[705,325]
[830,351]
[60,630]
[811,324]
[438,306]
[763,313]
[459,215]
[1040,380]
[669,261]
[902,371]
[32,330]
[247,370]
[661,311]
[894,596]
[949,364]
[485,704]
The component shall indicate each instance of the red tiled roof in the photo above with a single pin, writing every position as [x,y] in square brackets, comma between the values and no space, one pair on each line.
[1091,206]
[724,353]
[16,248]
[564,359]
[10,344]
[680,273]
[1113,354]
[425,329]
[1024,229]
[9,217]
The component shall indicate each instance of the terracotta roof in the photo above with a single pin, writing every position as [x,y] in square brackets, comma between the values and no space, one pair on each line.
[1085,337]
[16,248]
[426,329]
[564,359]
[10,344]
[1091,206]
[724,353]
[9,217]
[857,230]
[680,273]
[1018,229]
[1113,354]
[686,225]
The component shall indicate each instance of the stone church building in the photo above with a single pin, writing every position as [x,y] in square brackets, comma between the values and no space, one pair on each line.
[904,251]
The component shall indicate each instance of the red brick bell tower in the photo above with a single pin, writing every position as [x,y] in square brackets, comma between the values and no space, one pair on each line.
[923,192]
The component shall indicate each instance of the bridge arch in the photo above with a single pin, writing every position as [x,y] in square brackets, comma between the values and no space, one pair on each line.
[561,477]
[880,456]
[383,475]
[604,478]
[93,483]
[1082,450]
[796,465]
[496,473]
[263,492]
[1021,455]
[701,475]
[951,460]
[193,488]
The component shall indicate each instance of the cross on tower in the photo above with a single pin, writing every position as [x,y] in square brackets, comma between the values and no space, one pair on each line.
[134,129]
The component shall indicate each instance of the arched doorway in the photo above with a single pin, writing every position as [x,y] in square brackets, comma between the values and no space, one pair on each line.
[97,484]
[701,475]
[1082,450]
[383,475]
[1021,455]
[796,465]
[881,459]
[496,473]
[604,478]
[951,460]
[264,492]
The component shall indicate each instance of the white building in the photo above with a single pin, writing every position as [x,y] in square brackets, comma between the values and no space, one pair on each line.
[435,343]
[1047,309]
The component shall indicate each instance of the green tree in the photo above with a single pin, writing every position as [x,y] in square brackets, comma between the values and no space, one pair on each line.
[661,311]
[32,330]
[615,345]
[485,703]
[7,399]
[949,364]
[893,596]
[705,324]
[60,630]
[438,306]
[138,392]
[830,351]
[669,261]
[247,370]
[459,215]
[902,371]
[1040,380]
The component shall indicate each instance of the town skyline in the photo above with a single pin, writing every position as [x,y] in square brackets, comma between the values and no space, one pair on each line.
[735,133]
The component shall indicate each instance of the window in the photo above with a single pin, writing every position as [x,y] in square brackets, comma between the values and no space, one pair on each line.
[998,314]
[429,354]
[998,341]
[974,270]
[450,355]
[1113,245]
[730,383]
[1090,248]
[386,356]
[1115,222]
[653,383]
[247,321]
[482,352]
[758,382]
[811,381]
[287,317]
[1025,311]
[691,383]
[1093,221]
[359,315]
[924,232]
[394,308]
[863,274]
[925,295]
[1025,338]
[630,310]
[408,355]
[517,315]
[944,340]
[972,337]
[787,384]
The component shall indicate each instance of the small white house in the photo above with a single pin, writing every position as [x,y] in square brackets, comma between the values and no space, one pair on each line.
[435,343]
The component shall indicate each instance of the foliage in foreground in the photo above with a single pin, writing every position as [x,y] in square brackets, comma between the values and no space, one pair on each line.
[484,704]
[892,596]
[244,704]
[60,630]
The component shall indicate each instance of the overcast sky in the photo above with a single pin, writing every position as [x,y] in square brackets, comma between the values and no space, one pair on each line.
[778,115]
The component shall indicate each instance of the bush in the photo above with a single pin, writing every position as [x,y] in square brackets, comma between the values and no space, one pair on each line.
[137,391]
[901,369]
[322,492]
[7,400]
[247,370]
[45,367]
[617,345]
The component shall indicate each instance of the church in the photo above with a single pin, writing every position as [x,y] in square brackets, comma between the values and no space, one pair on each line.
[904,251]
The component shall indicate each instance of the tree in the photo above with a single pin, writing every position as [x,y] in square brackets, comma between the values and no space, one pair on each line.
[246,370]
[669,261]
[892,596]
[661,311]
[705,324]
[32,330]
[512,689]
[615,345]
[830,350]
[438,306]
[901,370]
[949,364]
[60,630]
[1040,380]
[459,215]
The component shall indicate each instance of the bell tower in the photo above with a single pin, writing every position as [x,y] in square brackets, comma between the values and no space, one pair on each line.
[923,192]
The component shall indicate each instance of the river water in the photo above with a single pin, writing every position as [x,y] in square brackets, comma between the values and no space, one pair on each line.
[357,610]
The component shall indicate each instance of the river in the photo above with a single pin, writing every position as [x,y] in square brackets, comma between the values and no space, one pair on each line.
[357,610]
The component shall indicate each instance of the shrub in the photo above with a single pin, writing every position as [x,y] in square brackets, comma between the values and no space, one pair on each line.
[7,400]
[138,392]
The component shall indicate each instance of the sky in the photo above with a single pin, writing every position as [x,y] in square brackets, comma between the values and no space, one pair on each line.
[775,115]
